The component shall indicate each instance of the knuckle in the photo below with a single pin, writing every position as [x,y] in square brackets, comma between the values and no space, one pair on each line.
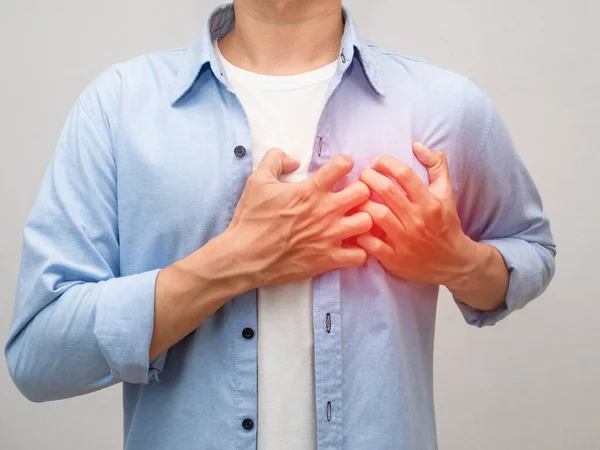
[434,209]
[419,224]
[352,259]
[387,215]
[318,214]
[381,214]
[366,222]
[364,207]
[342,161]
[304,192]
[253,180]
[387,160]
[361,223]
[361,258]
[310,186]
[377,246]
[336,258]
[405,172]
[363,190]
[364,175]
[275,151]
[390,189]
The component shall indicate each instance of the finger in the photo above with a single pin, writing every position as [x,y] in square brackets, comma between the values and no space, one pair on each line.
[352,195]
[376,247]
[434,160]
[276,163]
[389,192]
[349,226]
[384,218]
[349,257]
[332,171]
[405,176]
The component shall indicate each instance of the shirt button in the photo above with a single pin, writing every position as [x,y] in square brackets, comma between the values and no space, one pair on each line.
[240,151]
[248,333]
[248,424]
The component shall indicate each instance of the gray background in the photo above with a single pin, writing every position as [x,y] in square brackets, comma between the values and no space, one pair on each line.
[530,382]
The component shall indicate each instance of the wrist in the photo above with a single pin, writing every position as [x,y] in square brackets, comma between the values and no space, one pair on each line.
[224,261]
[469,255]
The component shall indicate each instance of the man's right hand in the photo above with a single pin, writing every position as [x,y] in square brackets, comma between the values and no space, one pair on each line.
[285,232]
[280,233]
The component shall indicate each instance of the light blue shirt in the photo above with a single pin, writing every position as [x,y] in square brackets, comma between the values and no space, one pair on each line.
[145,173]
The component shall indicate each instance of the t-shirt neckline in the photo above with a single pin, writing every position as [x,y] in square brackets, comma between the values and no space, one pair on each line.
[275,82]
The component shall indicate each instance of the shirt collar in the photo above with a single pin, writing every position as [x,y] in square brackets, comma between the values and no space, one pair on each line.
[221,21]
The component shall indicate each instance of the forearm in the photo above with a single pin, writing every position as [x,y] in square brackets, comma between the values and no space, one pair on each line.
[192,289]
[483,282]
[97,334]
[89,337]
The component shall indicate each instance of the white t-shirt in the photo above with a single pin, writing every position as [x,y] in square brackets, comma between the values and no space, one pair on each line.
[283,112]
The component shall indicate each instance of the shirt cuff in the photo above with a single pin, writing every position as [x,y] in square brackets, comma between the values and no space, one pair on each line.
[156,368]
[526,281]
[124,326]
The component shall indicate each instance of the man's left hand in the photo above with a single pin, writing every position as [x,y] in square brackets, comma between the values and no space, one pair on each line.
[423,237]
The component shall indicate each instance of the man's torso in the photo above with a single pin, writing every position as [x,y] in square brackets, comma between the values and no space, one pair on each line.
[179,178]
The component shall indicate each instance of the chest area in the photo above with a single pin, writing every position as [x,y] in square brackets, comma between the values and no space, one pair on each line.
[286,118]
[185,168]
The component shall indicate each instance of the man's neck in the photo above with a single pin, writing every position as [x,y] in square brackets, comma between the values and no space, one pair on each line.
[284,37]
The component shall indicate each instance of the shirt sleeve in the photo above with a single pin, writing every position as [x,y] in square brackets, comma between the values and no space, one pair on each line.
[78,326]
[499,204]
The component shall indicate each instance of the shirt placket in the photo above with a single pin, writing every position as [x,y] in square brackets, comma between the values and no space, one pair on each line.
[326,301]
[243,306]
[326,294]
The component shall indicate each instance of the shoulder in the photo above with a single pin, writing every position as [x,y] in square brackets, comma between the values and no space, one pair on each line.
[394,65]
[138,81]
[438,97]
[141,74]
[428,78]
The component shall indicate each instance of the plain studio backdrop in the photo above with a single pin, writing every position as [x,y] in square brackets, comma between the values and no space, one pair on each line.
[530,382]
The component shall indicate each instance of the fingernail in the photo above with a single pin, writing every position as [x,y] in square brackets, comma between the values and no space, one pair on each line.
[419,146]
[374,161]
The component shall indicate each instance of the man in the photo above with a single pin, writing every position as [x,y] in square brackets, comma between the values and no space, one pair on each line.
[251,233]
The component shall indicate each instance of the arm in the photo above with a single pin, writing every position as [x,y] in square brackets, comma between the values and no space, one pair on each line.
[79,326]
[492,246]
[501,210]
[484,281]
[72,306]
[192,289]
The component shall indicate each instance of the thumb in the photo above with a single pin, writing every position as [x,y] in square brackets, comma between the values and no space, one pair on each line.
[276,163]
[434,160]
